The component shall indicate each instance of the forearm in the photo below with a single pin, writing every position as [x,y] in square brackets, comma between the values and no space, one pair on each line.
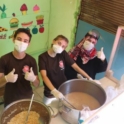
[80,71]
[36,83]
[48,82]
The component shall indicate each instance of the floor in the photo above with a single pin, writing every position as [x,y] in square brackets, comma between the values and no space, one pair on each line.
[38,95]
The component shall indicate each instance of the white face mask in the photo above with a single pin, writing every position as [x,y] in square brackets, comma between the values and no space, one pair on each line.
[57,48]
[20,46]
[88,45]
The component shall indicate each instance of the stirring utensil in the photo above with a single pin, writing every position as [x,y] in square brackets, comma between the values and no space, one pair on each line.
[29,108]
[69,103]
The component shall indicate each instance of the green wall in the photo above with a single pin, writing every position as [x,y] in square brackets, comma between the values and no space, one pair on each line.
[63,19]
[39,40]
[60,17]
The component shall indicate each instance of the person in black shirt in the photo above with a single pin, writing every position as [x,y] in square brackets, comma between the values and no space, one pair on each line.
[87,57]
[52,66]
[18,69]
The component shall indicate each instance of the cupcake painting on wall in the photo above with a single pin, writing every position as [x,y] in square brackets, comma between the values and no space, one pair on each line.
[24,9]
[36,9]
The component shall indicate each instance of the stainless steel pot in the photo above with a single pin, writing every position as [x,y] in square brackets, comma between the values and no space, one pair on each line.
[21,105]
[79,85]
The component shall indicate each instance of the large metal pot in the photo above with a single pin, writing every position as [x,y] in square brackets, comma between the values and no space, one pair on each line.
[21,105]
[79,85]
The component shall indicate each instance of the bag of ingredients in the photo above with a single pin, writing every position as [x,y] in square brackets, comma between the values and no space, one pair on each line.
[84,114]
[114,91]
[111,93]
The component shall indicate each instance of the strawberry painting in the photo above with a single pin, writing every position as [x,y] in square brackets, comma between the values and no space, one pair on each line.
[41,29]
[3,15]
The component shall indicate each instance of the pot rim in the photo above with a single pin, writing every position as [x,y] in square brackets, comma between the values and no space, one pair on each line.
[22,101]
[93,82]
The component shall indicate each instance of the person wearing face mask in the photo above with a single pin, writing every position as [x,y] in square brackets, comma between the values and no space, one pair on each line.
[52,65]
[18,69]
[87,57]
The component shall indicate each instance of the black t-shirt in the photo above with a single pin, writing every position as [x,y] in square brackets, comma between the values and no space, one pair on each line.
[92,67]
[54,67]
[21,88]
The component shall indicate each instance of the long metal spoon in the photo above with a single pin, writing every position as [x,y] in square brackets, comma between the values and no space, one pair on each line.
[63,99]
[69,103]
[29,108]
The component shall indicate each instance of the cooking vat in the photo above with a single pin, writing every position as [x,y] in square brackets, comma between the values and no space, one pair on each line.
[79,85]
[21,105]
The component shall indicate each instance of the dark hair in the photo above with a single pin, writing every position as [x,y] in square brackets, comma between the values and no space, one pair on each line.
[23,30]
[61,37]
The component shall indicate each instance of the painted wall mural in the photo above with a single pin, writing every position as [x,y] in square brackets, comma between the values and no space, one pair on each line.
[32,15]
[24,9]
[36,9]
[14,21]
[3,9]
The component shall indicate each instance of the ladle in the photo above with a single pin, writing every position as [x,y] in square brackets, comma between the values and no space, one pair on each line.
[29,108]
[69,103]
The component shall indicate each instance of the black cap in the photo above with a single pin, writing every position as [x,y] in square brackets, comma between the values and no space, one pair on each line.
[93,33]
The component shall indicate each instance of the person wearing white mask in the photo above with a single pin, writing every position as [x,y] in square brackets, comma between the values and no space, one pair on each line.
[52,65]
[18,69]
[87,57]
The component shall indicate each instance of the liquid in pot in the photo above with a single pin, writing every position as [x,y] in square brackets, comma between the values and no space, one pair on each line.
[78,99]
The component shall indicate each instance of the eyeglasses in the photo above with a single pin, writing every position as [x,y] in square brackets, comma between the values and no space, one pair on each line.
[91,36]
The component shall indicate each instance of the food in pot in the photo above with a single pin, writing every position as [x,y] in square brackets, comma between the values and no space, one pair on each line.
[78,99]
[20,118]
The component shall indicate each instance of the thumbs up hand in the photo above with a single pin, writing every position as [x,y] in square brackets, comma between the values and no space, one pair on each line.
[101,55]
[30,75]
[11,77]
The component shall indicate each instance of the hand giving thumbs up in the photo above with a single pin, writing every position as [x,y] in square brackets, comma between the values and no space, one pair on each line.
[30,75]
[11,77]
[101,55]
